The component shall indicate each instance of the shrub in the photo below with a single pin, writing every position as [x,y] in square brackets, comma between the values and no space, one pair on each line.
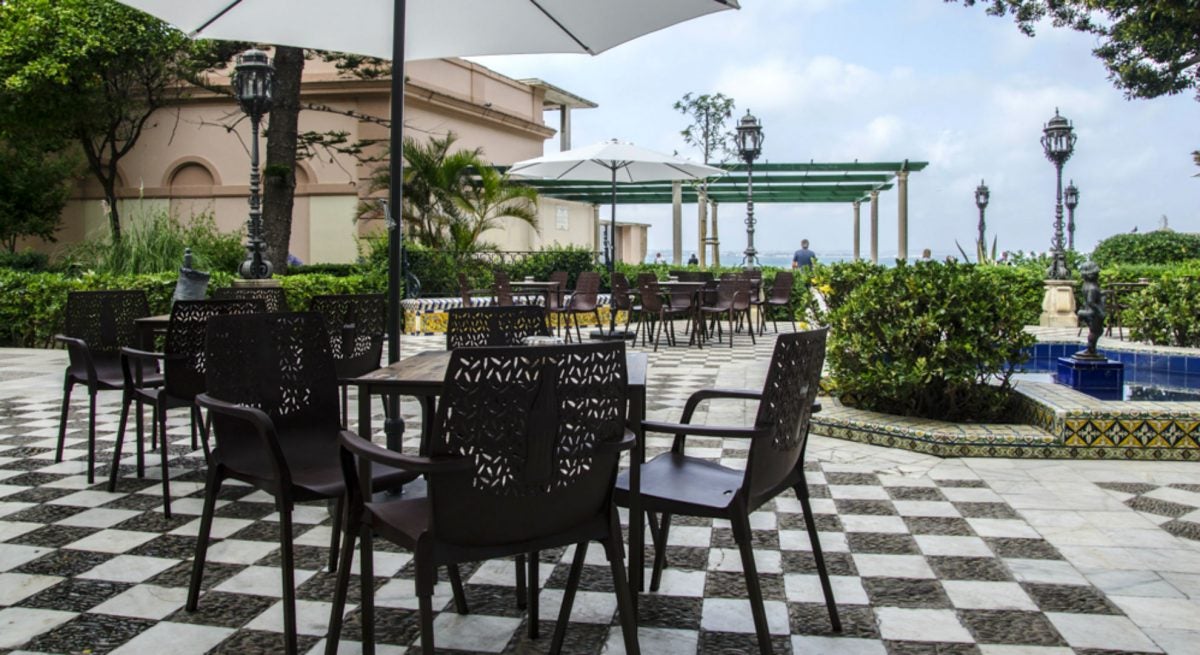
[933,340]
[1138,272]
[25,260]
[834,283]
[154,243]
[572,259]
[1158,247]
[1165,313]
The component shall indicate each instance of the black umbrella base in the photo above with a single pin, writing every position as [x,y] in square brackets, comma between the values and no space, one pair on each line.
[611,335]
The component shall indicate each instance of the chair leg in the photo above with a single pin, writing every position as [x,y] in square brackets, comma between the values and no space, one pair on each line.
[91,469]
[126,401]
[456,587]
[424,584]
[531,583]
[211,488]
[741,533]
[366,572]
[731,332]
[750,328]
[343,585]
[345,405]
[564,612]
[164,452]
[284,507]
[195,440]
[198,419]
[801,490]
[660,553]
[339,515]
[62,421]
[625,608]
[578,335]
[520,566]
[140,425]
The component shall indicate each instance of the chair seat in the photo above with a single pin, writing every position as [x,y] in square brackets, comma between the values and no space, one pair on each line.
[109,375]
[672,480]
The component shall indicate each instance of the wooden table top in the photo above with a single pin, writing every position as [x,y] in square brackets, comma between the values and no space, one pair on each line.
[426,371]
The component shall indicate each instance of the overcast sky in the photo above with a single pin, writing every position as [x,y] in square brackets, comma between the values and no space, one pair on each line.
[839,80]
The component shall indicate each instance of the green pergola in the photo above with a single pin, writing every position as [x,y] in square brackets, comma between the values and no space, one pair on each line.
[854,183]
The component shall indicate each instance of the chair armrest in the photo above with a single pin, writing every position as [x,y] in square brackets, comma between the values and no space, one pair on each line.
[684,429]
[627,442]
[141,356]
[710,394]
[78,351]
[380,455]
[263,426]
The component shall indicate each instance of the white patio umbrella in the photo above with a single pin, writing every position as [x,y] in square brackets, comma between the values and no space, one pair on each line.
[616,162]
[427,29]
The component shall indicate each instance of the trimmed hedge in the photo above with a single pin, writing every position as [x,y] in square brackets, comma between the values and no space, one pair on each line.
[932,340]
[1166,313]
[32,304]
[1158,247]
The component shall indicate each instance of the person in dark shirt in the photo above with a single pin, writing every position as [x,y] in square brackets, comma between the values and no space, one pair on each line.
[692,261]
[804,257]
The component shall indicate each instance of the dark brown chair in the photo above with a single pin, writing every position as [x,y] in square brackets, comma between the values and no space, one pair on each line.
[526,448]
[658,315]
[675,483]
[556,299]
[356,329]
[585,300]
[464,290]
[273,297]
[469,327]
[273,403]
[98,325]
[779,299]
[501,289]
[620,299]
[733,301]
[183,366]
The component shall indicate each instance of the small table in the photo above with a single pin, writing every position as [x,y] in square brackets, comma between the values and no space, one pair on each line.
[149,327]
[545,288]
[679,287]
[423,374]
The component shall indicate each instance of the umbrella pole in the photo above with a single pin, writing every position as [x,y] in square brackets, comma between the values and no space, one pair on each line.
[612,258]
[394,425]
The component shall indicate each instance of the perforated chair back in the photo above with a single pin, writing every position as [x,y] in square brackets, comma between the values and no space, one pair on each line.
[356,330]
[277,363]
[273,297]
[532,419]
[185,367]
[104,321]
[793,380]
[468,327]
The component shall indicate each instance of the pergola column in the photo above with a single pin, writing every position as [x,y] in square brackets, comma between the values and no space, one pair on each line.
[716,242]
[564,128]
[902,212]
[874,226]
[677,223]
[702,211]
[857,251]
[596,230]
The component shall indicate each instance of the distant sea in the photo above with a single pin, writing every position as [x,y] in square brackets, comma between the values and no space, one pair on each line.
[784,259]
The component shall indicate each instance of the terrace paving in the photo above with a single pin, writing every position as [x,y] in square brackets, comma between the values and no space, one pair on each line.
[996,556]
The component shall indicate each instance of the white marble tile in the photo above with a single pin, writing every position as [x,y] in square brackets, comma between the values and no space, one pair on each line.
[980,595]
[1132,583]
[402,593]
[17,586]
[144,602]
[20,624]
[847,590]
[932,544]
[837,645]
[1174,641]
[472,631]
[1003,528]
[677,582]
[872,523]
[925,508]
[14,555]
[1175,613]
[240,551]
[831,542]
[175,638]
[892,566]
[858,492]
[312,618]
[261,581]
[1045,571]
[734,615]
[99,517]
[347,647]
[654,640]
[88,498]
[129,568]
[921,625]
[589,606]
[1101,632]
[1002,649]
[730,560]
[112,541]
[14,529]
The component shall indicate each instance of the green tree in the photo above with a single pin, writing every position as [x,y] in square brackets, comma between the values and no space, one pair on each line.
[92,72]
[708,133]
[33,191]
[487,199]
[1151,48]
[279,174]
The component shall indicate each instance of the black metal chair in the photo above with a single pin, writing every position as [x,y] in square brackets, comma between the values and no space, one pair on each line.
[584,300]
[620,299]
[98,325]
[273,297]
[733,301]
[468,327]
[659,315]
[356,330]
[526,448]
[778,299]
[675,483]
[273,403]
[502,289]
[183,361]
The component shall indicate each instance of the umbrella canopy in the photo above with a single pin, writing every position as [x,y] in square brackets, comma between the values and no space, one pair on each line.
[615,162]
[438,28]
[426,29]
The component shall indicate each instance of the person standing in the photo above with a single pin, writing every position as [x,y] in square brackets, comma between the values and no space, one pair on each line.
[804,257]
[692,261]
[658,258]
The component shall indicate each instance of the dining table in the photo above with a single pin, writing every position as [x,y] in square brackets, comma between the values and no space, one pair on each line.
[538,287]
[694,290]
[422,376]
[149,327]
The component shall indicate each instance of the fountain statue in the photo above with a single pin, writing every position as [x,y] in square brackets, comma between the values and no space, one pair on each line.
[1092,313]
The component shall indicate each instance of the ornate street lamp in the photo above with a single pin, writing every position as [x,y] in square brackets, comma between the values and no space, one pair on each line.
[981,200]
[253,79]
[1058,141]
[749,144]
[1071,198]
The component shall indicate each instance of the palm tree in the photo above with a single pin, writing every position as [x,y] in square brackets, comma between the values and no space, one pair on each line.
[487,199]
[434,178]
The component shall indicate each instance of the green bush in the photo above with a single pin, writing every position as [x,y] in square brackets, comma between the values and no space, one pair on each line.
[835,282]
[1158,247]
[154,243]
[1166,312]
[336,270]
[1139,272]
[933,340]
[25,260]
[572,259]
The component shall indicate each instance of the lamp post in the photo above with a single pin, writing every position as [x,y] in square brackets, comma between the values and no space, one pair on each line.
[1058,141]
[749,143]
[1071,198]
[253,78]
[981,200]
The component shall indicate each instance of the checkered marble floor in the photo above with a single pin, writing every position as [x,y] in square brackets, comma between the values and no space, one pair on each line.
[927,555]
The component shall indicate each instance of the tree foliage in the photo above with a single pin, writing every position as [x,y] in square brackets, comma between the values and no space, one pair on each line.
[707,131]
[1157,247]
[34,186]
[92,72]
[1151,48]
